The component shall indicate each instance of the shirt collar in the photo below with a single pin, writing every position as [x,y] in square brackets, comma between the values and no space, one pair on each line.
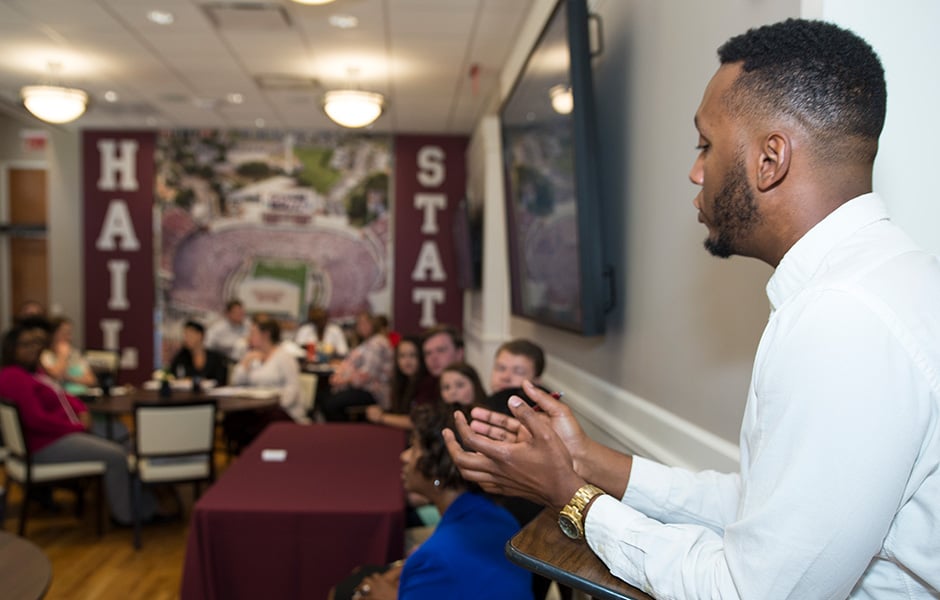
[804,258]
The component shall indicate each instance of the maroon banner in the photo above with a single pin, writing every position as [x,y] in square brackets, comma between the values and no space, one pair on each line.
[430,178]
[119,279]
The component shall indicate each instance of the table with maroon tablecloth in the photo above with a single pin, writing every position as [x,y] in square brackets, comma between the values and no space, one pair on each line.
[293,529]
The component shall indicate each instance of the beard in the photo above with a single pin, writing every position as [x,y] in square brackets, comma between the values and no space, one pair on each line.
[734,213]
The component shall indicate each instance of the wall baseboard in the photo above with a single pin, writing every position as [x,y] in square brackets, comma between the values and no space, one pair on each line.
[629,423]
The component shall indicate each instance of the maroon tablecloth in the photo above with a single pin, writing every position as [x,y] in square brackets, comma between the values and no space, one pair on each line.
[294,529]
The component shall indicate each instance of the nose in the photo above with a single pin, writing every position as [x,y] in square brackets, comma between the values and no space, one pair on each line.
[697,173]
[405,455]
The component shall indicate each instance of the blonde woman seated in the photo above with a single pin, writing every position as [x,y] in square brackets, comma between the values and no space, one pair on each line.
[63,362]
[266,364]
[463,558]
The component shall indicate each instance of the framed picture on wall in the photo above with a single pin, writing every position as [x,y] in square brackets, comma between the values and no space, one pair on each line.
[553,207]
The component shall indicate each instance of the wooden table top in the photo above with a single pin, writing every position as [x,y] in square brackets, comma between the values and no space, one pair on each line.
[25,572]
[542,547]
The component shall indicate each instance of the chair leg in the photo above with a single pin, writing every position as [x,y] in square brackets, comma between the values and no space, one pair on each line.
[3,508]
[79,490]
[99,505]
[135,509]
[24,507]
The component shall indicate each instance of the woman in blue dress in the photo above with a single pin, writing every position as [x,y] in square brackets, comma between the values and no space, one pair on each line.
[464,557]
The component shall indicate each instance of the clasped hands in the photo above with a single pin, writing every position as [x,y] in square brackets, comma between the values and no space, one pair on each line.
[533,455]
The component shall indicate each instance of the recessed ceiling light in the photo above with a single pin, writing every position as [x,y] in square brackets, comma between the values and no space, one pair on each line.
[235,98]
[313,1]
[111,96]
[259,123]
[161,17]
[343,21]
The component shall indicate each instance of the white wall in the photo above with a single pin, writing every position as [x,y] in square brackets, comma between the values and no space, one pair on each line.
[65,230]
[669,379]
[903,33]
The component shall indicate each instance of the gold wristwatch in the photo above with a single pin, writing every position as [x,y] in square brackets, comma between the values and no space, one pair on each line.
[571,518]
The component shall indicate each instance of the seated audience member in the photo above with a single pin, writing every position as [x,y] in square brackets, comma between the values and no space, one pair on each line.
[439,344]
[55,424]
[442,345]
[410,384]
[266,364]
[328,337]
[195,361]
[464,557]
[516,361]
[364,376]
[229,334]
[63,362]
[461,385]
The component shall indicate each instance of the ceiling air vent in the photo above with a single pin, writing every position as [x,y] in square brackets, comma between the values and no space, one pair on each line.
[247,16]
[283,82]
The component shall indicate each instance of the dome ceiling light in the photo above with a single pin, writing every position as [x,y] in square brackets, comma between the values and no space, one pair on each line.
[353,108]
[53,103]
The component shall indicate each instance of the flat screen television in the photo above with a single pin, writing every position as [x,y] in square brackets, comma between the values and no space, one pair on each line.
[553,204]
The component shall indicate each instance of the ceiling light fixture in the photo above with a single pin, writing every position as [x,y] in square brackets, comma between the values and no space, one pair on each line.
[313,2]
[54,104]
[562,100]
[353,108]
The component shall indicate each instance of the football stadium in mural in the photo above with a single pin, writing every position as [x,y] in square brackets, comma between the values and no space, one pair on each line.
[278,221]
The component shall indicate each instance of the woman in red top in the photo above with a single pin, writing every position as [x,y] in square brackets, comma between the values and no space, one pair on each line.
[55,424]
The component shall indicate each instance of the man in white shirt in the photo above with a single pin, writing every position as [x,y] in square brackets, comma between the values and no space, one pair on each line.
[318,330]
[229,335]
[838,493]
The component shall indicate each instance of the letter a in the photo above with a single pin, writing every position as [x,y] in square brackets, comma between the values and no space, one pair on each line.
[117,222]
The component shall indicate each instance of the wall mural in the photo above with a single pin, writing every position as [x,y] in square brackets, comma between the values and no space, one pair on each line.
[277,220]
[178,223]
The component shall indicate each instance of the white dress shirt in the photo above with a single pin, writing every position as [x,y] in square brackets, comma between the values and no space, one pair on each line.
[280,370]
[332,335]
[229,338]
[838,493]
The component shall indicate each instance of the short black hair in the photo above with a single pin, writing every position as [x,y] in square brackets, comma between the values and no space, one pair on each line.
[195,326]
[827,78]
[10,338]
[232,304]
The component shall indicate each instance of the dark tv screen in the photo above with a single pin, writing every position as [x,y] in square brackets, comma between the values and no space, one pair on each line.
[468,245]
[552,202]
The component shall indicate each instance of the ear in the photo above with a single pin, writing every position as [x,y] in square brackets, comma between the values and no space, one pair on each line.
[774,160]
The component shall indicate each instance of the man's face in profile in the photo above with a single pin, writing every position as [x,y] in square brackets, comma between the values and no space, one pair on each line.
[726,202]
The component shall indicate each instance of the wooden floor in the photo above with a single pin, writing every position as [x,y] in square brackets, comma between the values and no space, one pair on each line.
[107,567]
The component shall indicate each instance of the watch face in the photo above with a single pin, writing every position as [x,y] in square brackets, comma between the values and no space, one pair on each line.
[569,527]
